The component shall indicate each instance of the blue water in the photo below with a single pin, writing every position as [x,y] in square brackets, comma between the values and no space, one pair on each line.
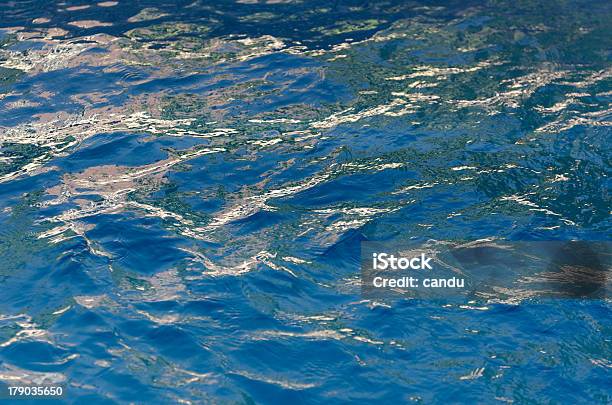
[184,187]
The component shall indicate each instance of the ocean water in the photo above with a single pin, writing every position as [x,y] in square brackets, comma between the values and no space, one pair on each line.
[185,187]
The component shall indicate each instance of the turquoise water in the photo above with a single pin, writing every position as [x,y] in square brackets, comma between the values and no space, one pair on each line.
[184,187]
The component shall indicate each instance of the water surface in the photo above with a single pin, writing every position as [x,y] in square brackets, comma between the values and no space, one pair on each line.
[184,187]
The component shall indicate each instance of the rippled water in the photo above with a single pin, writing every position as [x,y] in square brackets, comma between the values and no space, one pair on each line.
[184,186]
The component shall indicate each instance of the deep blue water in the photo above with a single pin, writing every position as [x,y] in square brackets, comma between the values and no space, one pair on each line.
[185,187]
